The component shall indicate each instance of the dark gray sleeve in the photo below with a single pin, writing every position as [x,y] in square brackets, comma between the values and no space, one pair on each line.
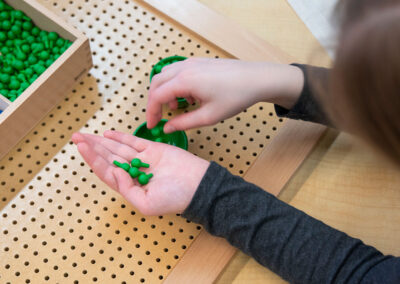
[296,246]
[307,106]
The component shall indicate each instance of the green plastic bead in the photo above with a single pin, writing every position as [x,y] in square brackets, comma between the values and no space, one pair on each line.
[3,36]
[144,179]
[4,15]
[35,31]
[32,59]
[4,78]
[134,172]
[16,30]
[44,55]
[27,26]
[156,131]
[60,42]
[6,25]
[38,68]
[53,36]
[18,64]
[137,163]
[124,166]
[14,85]
[25,48]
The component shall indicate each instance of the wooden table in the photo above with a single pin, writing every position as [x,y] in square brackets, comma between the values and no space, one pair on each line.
[342,183]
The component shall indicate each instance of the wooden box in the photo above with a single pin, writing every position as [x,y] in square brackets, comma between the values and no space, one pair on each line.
[20,116]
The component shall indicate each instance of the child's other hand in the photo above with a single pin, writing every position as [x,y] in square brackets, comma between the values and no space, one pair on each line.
[177,173]
[223,88]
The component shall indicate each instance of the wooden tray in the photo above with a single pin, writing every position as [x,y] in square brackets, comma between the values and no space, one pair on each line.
[54,84]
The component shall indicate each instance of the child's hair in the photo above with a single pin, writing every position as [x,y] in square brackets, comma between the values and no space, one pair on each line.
[364,85]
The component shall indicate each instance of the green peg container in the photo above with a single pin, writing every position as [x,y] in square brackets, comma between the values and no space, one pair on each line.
[182,103]
[178,138]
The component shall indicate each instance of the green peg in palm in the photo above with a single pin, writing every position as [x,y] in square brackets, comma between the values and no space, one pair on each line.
[124,166]
[137,163]
[144,179]
[134,172]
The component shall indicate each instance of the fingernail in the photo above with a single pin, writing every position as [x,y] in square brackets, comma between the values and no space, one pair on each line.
[169,128]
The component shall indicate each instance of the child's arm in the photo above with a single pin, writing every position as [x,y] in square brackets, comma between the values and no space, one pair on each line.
[296,246]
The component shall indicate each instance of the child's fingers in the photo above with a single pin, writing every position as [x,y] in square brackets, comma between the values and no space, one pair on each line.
[136,143]
[166,93]
[100,167]
[167,73]
[193,119]
[131,192]
[122,150]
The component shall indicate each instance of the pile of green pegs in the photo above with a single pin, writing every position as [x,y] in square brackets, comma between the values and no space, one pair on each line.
[25,51]
[133,170]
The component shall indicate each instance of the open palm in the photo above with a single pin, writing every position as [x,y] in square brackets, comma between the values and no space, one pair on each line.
[177,173]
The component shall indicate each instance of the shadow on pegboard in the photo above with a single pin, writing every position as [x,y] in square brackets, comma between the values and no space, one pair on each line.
[39,146]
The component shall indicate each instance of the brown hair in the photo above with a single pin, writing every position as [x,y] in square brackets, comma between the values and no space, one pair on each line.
[364,86]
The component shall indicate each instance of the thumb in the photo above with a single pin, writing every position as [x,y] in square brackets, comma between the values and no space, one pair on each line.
[193,119]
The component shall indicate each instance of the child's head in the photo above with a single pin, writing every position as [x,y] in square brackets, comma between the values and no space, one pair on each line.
[364,95]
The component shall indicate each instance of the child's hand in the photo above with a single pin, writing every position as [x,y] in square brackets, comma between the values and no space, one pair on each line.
[223,87]
[177,173]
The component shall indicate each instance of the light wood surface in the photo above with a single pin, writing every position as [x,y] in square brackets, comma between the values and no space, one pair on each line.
[342,183]
[42,95]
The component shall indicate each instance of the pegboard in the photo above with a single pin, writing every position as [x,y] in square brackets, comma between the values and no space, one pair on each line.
[59,223]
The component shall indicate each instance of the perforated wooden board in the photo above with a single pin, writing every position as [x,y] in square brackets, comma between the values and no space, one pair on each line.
[59,223]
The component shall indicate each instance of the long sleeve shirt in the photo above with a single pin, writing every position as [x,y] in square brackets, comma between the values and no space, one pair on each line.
[291,243]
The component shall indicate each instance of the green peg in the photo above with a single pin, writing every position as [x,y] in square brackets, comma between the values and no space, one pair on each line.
[3,36]
[60,42]
[44,55]
[159,140]
[16,30]
[27,26]
[33,78]
[5,50]
[30,39]
[137,163]
[35,31]
[25,48]
[156,131]
[18,64]
[134,172]
[6,25]
[124,166]
[14,85]
[37,47]
[4,15]
[32,59]
[158,69]
[144,179]
[38,68]
[53,36]
[4,78]
[11,35]
[8,69]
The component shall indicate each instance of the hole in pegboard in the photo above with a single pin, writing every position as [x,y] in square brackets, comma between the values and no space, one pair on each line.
[65,225]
